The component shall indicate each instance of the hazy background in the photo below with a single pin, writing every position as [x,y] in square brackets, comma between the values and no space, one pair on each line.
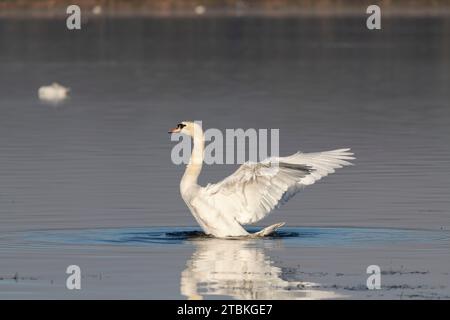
[224,7]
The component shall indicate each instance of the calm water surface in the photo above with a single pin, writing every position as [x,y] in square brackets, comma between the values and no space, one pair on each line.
[102,158]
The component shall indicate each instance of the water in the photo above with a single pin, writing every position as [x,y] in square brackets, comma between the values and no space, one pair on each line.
[102,158]
[311,237]
[294,263]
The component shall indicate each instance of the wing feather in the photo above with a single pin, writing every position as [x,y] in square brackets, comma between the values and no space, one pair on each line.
[255,189]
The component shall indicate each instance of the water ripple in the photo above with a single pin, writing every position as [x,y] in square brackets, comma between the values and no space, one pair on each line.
[298,236]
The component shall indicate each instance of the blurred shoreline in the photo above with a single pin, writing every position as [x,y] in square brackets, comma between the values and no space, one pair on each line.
[226,8]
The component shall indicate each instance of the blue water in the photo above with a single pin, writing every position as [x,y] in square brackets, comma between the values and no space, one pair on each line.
[296,236]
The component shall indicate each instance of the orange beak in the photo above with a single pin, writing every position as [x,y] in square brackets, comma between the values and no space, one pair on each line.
[174,130]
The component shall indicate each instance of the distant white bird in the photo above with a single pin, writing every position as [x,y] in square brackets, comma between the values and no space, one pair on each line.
[200,10]
[254,190]
[53,93]
[97,10]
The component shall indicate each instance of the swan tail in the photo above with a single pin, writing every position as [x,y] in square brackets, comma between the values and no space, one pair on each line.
[268,230]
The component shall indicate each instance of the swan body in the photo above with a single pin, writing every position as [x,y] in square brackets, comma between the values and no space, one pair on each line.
[53,93]
[254,190]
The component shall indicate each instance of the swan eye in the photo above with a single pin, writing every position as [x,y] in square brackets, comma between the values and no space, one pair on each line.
[181,126]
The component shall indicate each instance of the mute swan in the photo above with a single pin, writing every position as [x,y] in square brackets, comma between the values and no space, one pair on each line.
[254,190]
[53,93]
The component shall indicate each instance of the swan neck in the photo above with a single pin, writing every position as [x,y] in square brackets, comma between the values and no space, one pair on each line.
[194,167]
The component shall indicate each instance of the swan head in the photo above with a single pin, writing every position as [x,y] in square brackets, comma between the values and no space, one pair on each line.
[188,128]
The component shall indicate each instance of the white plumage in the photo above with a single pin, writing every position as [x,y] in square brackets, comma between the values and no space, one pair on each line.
[254,190]
[53,93]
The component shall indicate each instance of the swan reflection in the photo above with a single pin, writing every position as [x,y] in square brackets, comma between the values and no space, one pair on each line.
[240,269]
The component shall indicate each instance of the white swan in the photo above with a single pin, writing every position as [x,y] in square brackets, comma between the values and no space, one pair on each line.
[254,190]
[53,93]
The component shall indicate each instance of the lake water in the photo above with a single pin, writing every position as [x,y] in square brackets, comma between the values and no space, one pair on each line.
[99,163]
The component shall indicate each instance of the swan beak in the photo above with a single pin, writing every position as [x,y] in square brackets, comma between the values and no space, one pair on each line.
[174,130]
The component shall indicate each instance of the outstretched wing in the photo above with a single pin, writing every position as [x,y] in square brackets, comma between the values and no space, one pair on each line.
[255,189]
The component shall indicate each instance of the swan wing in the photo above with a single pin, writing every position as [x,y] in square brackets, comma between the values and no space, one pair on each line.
[255,189]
